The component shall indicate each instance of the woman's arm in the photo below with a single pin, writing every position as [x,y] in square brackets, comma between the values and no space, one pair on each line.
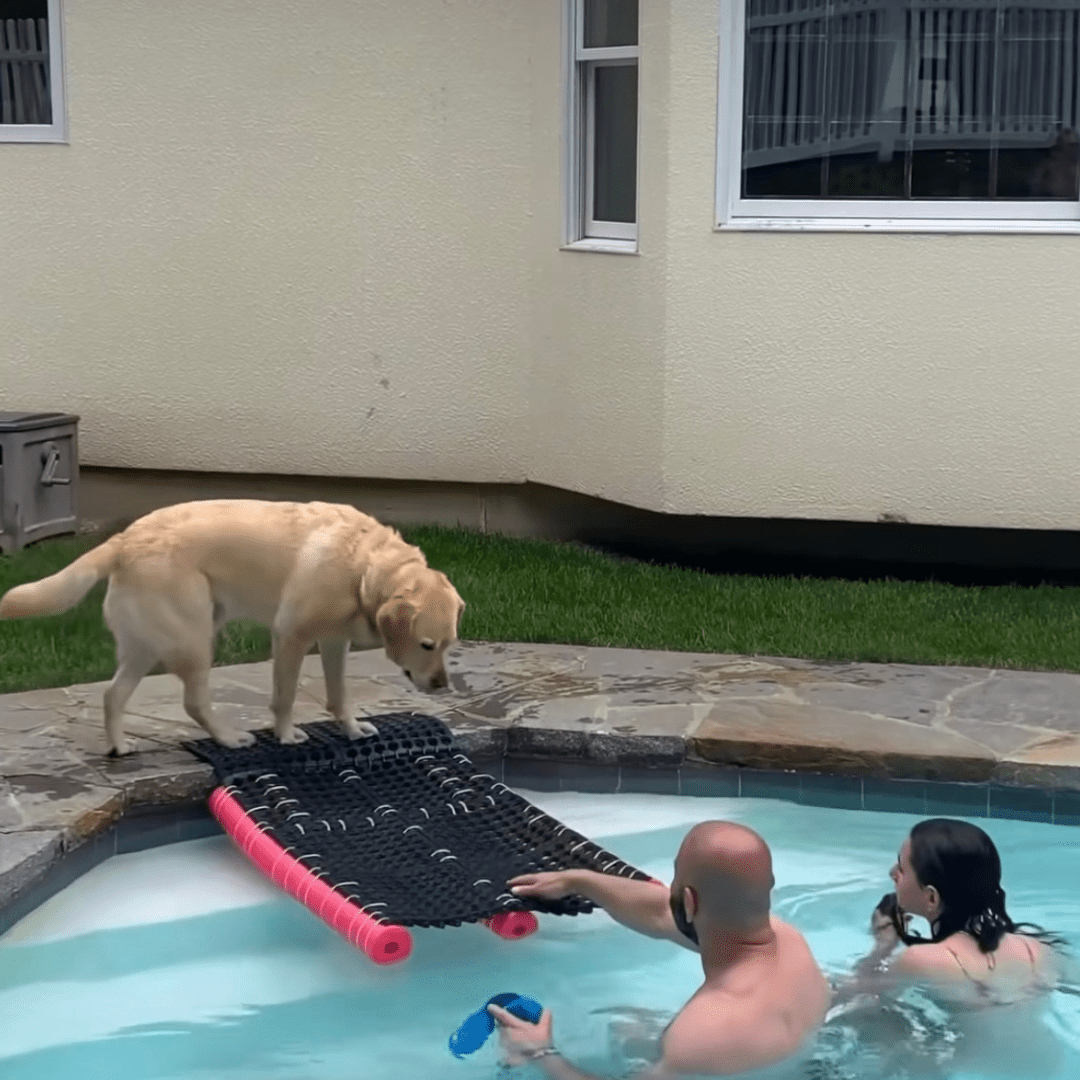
[874,974]
[877,975]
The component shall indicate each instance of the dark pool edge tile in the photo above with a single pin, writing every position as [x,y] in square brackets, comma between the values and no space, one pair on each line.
[1022,804]
[1067,808]
[830,792]
[709,781]
[947,799]
[648,780]
[769,784]
[537,774]
[588,779]
[144,832]
[890,796]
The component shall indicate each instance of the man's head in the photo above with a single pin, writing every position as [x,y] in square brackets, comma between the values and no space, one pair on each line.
[723,878]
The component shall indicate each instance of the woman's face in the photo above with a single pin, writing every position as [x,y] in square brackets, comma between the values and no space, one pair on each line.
[911,895]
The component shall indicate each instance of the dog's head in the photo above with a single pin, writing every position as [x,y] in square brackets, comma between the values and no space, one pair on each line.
[419,625]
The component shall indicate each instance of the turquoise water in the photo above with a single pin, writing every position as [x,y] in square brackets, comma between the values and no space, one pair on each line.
[182,963]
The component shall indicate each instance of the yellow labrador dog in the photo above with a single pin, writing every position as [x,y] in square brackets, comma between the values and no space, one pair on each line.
[312,572]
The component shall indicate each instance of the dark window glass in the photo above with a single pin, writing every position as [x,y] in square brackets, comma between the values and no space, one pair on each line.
[615,143]
[609,23]
[911,99]
[25,96]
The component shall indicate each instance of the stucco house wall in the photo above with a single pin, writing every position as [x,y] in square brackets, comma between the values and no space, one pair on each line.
[324,241]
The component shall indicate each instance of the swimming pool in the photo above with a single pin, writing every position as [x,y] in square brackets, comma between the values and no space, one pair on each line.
[182,963]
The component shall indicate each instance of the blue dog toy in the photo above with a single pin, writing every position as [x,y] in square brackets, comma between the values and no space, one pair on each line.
[474,1032]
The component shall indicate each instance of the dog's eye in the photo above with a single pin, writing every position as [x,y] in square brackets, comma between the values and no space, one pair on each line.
[429,645]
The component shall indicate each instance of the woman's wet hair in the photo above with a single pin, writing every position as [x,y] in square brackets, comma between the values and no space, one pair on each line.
[961,862]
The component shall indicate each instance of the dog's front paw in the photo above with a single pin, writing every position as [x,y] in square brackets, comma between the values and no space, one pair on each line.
[236,740]
[293,735]
[358,729]
[121,749]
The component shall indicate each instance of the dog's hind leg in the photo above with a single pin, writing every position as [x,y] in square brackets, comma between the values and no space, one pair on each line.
[197,705]
[186,619]
[134,659]
[332,652]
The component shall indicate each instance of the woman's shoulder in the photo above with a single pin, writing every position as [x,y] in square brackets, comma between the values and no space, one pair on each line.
[1026,949]
[927,960]
[959,955]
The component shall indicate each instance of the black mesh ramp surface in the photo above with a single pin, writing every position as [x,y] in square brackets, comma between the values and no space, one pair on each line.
[402,822]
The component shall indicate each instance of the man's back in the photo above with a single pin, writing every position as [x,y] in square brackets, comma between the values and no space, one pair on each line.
[754,1013]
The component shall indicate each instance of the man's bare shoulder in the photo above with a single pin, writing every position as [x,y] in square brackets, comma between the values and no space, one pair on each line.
[787,934]
[803,975]
[794,952]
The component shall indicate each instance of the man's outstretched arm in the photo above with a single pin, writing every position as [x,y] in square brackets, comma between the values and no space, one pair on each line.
[640,905]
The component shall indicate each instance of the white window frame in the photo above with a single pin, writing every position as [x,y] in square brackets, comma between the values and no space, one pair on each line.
[846,215]
[57,131]
[580,230]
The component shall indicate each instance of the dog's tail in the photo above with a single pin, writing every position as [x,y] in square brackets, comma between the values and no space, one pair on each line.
[64,589]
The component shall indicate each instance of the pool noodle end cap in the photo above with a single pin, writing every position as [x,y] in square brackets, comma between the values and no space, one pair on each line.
[513,924]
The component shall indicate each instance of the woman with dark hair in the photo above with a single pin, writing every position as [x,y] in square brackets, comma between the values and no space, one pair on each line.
[949,873]
[977,964]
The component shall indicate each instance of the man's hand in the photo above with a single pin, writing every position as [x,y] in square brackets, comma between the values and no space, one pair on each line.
[640,905]
[548,885]
[520,1039]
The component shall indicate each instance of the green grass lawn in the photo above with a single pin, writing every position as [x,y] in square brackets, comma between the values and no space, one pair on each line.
[524,590]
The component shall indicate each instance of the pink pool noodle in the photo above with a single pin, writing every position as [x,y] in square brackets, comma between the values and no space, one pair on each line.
[382,943]
[512,924]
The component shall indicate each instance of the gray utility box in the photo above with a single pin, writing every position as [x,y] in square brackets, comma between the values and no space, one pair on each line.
[39,477]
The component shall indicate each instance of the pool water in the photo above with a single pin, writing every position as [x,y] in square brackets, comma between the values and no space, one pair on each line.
[183,963]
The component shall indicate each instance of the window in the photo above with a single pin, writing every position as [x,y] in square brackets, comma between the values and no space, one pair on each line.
[31,72]
[602,111]
[955,114]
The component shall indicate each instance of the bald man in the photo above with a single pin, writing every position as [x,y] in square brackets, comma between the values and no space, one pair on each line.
[763,994]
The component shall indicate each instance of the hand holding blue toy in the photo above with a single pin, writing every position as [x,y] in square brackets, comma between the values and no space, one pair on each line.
[474,1032]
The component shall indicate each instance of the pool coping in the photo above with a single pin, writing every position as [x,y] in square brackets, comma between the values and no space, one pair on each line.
[53,865]
[548,731]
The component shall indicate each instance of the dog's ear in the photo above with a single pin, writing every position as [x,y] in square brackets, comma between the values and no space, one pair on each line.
[395,619]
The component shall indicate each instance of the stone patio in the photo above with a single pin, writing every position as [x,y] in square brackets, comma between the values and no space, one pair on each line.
[635,714]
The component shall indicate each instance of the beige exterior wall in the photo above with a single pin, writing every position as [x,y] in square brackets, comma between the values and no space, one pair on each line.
[324,240]
[285,237]
[848,376]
